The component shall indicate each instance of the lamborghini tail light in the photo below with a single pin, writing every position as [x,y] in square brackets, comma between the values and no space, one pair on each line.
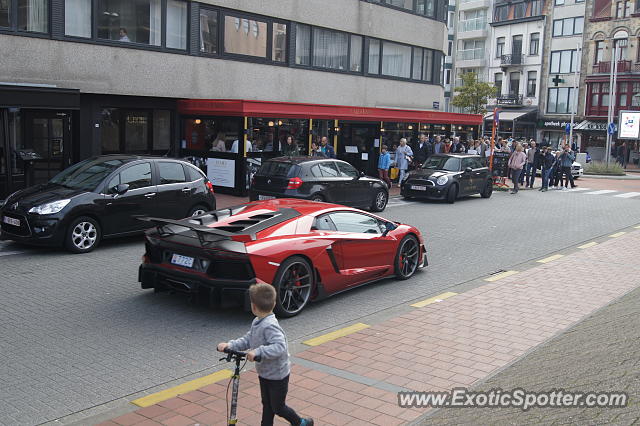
[295,183]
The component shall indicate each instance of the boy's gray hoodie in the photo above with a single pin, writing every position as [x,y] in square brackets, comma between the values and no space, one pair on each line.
[268,340]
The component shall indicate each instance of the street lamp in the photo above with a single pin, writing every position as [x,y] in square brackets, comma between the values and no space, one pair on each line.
[619,40]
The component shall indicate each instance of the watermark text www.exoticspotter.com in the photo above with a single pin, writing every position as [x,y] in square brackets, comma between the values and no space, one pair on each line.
[518,398]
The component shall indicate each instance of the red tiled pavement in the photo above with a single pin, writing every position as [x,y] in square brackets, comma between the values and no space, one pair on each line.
[453,343]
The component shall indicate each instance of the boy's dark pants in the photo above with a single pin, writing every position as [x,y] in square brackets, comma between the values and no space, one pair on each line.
[274,394]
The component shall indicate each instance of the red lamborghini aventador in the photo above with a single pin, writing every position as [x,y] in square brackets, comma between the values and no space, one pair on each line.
[307,250]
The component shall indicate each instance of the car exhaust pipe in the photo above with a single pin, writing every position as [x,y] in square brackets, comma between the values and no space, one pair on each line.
[180,286]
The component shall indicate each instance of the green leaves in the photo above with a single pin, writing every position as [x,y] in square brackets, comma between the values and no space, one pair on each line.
[473,94]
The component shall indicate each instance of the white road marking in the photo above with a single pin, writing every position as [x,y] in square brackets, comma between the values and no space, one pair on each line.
[601,192]
[581,189]
[628,195]
[9,253]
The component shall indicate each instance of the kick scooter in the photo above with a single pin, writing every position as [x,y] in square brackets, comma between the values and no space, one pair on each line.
[237,357]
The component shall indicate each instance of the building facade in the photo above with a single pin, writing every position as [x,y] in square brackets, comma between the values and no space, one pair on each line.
[561,70]
[86,77]
[611,41]
[515,64]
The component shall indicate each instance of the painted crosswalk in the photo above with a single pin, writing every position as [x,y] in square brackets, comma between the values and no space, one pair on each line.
[628,195]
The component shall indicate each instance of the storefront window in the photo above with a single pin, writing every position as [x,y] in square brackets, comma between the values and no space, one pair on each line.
[330,49]
[5,13]
[77,18]
[161,130]
[33,15]
[110,130]
[137,21]
[140,131]
[279,43]
[396,60]
[136,131]
[176,24]
[208,31]
[212,134]
[245,36]
[303,44]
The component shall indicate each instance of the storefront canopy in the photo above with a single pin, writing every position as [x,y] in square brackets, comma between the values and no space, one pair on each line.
[508,115]
[248,108]
[591,125]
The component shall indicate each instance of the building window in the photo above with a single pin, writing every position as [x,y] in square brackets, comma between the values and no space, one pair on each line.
[514,83]
[355,61]
[568,26]
[499,47]
[176,24]
[396,60]
[447,77]
[208,31]
[623,9]
[501,13]
[330,49]
[421,7]
[635,94]
[532,77]
[559,2]
[303,44]
[560,100]
[534,44]
[427,64]
[240,41]
[374,57]
[77,18]
[417,63]
[127,21]
[519,10]
[599,51]
[564,61]
[450,48]
[497,81]
[278,41]
[33,15]
[536,8]
[5,13]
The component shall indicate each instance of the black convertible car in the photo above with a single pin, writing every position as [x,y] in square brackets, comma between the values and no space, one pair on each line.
[318,179]
[448,177]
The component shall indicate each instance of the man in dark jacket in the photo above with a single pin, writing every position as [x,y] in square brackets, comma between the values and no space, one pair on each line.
[422,150]
[547,160]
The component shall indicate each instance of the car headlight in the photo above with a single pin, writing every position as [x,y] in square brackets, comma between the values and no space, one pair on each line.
[442,180]
[50,208]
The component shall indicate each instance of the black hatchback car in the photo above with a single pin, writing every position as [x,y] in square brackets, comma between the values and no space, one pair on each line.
[102,197]
[318,179]
[448,177]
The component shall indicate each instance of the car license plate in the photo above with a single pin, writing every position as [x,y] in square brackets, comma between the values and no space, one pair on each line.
[11,221]
[265,197]
[418,188]
[180,260]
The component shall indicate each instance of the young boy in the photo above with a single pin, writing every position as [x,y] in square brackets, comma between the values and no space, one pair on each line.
[268,340]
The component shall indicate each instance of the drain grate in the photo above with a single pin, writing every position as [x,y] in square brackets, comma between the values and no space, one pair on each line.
[499,271]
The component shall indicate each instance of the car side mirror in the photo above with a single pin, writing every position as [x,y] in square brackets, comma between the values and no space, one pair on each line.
[121,188]
[361,175]
[468,170]
[388,227]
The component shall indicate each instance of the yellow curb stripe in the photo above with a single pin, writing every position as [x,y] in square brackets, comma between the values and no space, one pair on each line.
[591,244]
[637,227]
[154,398]
[434,299]
[551,258]
[617,234]
[500,276]
[336,334]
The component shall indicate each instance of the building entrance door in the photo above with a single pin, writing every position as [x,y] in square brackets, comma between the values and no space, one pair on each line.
[48,134]
[356,145]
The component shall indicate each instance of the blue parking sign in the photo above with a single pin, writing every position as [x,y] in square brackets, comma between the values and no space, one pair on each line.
[611,128]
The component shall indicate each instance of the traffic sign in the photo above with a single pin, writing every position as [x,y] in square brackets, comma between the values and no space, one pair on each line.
[436,105]
[567,128]
[611,128]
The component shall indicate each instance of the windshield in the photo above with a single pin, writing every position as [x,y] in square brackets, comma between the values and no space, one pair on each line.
[449,164]
[87,174]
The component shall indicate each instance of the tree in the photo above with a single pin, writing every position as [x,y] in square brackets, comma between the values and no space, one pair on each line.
[472,96]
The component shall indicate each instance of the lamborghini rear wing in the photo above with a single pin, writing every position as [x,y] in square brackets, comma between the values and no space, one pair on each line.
[164,228]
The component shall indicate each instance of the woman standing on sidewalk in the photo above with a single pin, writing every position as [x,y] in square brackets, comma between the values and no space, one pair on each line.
[516,163]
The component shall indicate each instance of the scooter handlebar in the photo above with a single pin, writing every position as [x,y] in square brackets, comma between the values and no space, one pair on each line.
[241,354]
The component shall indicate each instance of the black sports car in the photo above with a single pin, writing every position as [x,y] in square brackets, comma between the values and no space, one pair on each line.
[318,179]
[101,197]
[448,177]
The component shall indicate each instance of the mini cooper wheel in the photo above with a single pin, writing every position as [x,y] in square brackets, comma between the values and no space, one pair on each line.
[197,211]
[83,235]
[294,282]
[452,194]
[407,258]
[488,190]
[379,201]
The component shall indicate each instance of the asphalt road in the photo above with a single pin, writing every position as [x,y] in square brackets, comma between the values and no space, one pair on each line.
[76,331]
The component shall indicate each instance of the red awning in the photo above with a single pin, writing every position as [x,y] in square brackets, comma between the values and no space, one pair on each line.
[268,109]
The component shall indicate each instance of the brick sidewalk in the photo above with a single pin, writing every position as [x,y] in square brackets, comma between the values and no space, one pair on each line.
[456,342]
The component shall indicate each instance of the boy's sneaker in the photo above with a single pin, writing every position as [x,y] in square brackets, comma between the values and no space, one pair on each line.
[306,422]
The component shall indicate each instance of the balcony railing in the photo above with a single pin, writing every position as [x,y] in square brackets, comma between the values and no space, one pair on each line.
[475,24]
[623,66]
[509,99]
[470,54]
[513,59]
